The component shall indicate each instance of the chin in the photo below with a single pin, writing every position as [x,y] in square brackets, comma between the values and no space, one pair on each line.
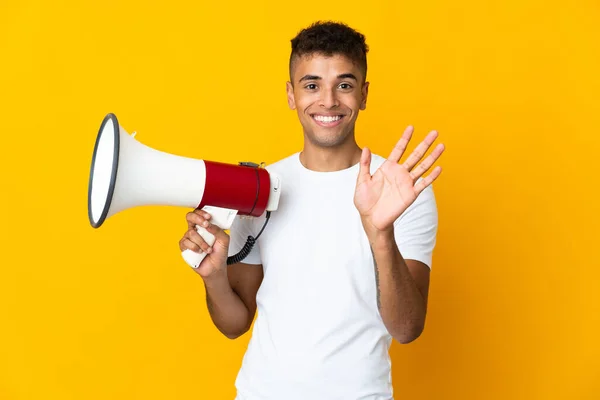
[327,141]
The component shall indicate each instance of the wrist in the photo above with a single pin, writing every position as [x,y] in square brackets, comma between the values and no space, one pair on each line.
[378,237]
[216,280]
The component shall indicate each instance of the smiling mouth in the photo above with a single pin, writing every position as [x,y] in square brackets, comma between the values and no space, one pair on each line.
[327,120]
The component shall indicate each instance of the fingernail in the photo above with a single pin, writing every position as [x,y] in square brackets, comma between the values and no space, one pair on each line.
[205,224]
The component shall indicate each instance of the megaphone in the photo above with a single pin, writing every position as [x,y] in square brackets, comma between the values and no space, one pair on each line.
[126,173]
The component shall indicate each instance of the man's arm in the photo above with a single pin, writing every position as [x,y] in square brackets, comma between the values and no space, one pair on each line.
[230,290]
[231,297]
[381,199]
[402,289]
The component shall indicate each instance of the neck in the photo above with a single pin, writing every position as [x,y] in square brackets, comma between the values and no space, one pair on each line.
[329,159]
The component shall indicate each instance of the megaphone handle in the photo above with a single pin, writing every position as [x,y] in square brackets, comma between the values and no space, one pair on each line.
[191,257]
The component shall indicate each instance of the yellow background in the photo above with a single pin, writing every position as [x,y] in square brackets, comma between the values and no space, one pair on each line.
[114,313]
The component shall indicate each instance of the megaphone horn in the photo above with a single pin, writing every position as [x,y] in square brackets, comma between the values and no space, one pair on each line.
[126,174]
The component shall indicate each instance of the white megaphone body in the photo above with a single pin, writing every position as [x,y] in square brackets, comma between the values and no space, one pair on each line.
[125,174]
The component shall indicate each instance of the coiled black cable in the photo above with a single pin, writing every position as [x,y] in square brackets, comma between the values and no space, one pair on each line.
[243,253]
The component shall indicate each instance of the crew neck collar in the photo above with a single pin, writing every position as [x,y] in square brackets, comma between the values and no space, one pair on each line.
[324,174]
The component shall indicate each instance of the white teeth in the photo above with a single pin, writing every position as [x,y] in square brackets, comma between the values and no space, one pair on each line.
[322,118]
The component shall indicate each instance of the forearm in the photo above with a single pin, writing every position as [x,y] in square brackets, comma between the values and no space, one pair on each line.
[229,314]
[400,302]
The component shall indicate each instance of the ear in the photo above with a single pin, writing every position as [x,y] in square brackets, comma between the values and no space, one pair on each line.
[290,95]
[365,93]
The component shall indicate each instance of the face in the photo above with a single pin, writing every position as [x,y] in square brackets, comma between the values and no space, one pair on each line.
[327,93]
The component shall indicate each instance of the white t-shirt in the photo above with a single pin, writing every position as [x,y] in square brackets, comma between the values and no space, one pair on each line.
[318,334]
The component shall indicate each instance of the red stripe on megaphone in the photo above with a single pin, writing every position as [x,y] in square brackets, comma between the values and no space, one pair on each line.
[237,187]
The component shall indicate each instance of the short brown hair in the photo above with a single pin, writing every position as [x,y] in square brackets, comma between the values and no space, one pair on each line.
[330,38]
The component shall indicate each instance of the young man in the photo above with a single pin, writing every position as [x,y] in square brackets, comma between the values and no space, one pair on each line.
[343,264]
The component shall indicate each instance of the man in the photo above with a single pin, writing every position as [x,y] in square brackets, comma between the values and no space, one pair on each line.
[343,264]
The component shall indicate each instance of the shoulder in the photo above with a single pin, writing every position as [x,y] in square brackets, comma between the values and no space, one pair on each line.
[283,164]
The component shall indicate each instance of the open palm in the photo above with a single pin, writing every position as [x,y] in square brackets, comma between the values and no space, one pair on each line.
[383,197]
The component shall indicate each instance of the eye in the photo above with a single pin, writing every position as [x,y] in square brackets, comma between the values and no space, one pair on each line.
[345,86]
[311,86]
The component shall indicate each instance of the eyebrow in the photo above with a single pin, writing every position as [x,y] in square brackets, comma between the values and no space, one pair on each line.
[347,76]
[309,78]
[316,78]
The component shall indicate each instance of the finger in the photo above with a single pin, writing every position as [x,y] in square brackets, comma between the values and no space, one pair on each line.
[195,237]
[196,217]
[192,218]
[400,147]
[202,213]
[420,151]
[187,244]
[428,180]
[427,162]
[364,172]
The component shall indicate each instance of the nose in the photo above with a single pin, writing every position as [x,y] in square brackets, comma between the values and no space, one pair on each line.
[329,99]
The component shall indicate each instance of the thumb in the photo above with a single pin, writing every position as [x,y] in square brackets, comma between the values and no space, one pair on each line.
[221,237]
[364,172]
